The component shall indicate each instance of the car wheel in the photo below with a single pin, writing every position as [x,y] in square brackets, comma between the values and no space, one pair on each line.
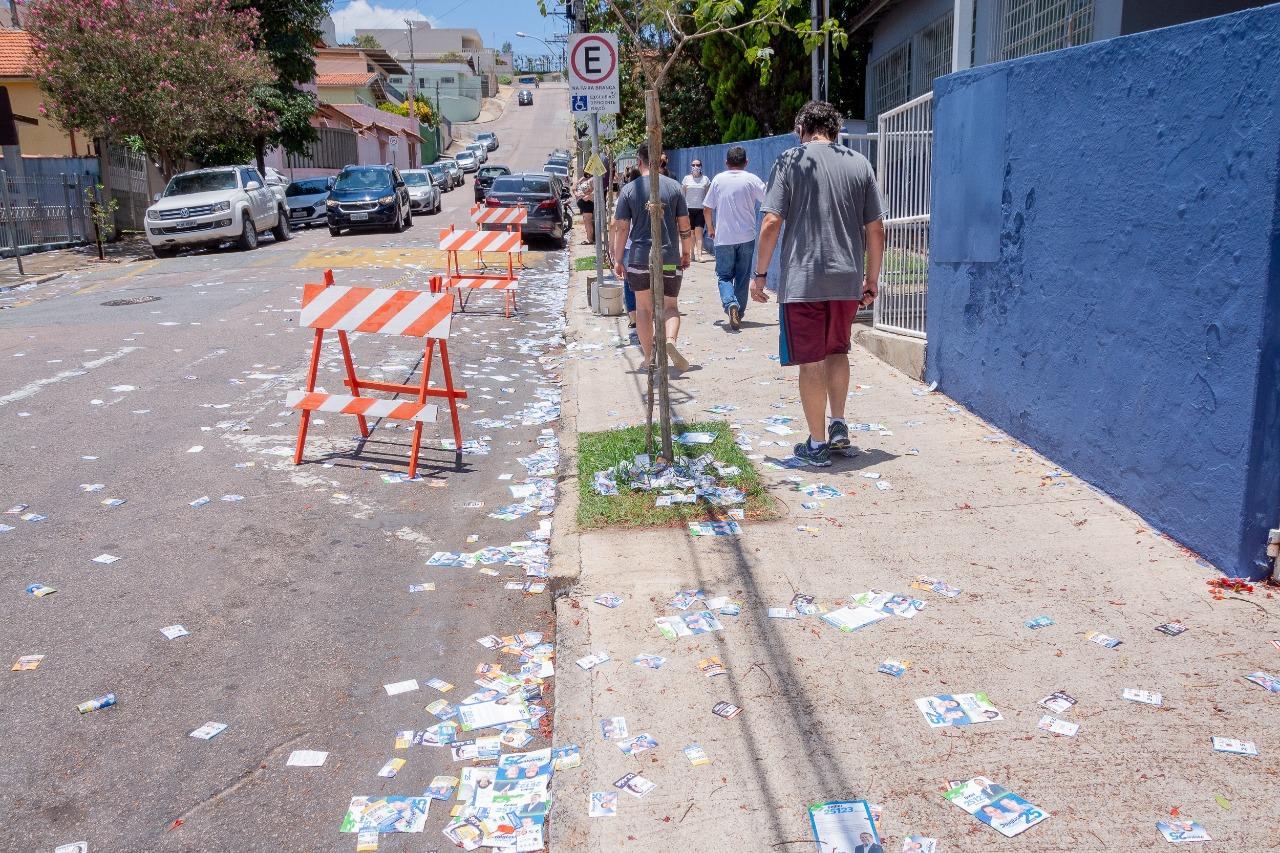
[408,219]
[248,240]
[281,232]
[164,251]
[397,227]
[334,232]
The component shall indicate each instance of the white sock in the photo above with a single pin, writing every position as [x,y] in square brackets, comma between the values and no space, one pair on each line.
[813,446]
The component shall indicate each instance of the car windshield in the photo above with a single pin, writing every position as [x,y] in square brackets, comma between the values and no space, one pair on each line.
[485,136]
[492,171]
[363,179]
[297,188]
[519,184]
[464,155]
[201,182]
[555,170]
[436,171]
[416,179]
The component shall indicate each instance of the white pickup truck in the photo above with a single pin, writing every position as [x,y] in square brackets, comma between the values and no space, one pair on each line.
[208,207]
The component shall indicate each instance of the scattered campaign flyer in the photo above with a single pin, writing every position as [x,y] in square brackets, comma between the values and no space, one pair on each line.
[639,743]
[593,660]
[960,709]
[929,584]
[843,825]
[635,785]
[209,731]
[714,528]
[1173,629]
[850,619]
[919,844]
[603,804]
[1182,831]
[1265,680]
[696,754]
[401,687]
[1058,727]
[483,715]
[608,599]
[386,814]
[1058,702]
[996,806]
[441,787]
[650,661]
[26,663]
[614,728]
[1038,622]
[566,757]
[173,632]
[437,684]
[1103,640]
[307,758]
[894,667]
[1236,747]
[391,768]
[1146,697]
[688,624]
[728,710]
[711,667]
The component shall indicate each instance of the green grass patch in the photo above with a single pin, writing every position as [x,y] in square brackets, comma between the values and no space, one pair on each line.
[587,262]
[600,450]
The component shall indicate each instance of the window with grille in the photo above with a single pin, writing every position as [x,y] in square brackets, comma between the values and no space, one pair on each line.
[933,54]
[890,80]
[1025,27]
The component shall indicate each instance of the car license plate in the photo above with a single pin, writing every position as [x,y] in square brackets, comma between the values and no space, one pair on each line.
[297,213]
[357,217]
[187,223]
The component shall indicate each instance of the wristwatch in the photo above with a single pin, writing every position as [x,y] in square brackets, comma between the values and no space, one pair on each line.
[761,275]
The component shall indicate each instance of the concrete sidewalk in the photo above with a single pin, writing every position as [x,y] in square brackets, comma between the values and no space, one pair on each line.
[819,723]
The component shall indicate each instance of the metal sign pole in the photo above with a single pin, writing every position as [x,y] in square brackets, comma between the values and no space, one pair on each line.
[9,217]
[597,196]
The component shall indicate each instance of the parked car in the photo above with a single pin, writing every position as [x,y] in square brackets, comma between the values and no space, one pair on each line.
[441,176]
[454,170]
[560,171]
[480,150]
[369,196]
[560,153]
[466,160]
[489,138]
[540,195]
[484,179]
[306,200]
[207,207]
[424,195]
[525,99]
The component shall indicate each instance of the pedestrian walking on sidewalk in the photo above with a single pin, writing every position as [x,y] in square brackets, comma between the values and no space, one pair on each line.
[828,198]
[695,186]
[730,207]
[586,193]
[631,240]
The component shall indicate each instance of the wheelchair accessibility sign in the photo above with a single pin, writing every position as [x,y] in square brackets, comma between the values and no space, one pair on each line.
[579,104]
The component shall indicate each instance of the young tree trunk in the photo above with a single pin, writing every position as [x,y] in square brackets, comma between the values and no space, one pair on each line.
[260,151]
[653,118]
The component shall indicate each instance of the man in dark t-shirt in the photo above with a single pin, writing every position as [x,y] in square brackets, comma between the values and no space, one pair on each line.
[631,225]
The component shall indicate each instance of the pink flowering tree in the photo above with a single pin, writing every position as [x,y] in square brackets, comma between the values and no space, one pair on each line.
[165,71]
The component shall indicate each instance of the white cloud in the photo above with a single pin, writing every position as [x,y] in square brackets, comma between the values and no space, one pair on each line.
[371,16]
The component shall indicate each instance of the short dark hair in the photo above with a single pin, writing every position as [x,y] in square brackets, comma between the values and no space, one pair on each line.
[736,157]
[819,117]
[642,152]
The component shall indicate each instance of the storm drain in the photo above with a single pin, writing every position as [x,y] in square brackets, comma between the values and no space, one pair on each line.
[135,300]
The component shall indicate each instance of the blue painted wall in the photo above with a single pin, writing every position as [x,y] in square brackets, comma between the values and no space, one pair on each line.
[1128,324]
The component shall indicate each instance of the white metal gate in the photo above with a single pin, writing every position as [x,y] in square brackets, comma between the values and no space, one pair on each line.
[904,158]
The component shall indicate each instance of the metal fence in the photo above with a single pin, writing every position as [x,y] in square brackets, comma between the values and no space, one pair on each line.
[41,212]
[1025,27]
[335,149]
[904,159]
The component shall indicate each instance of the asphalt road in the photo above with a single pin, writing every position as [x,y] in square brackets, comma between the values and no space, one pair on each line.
[296,597]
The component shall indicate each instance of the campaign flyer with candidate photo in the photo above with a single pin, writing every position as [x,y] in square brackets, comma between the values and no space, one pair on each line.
[843,825]
[996,806]
[960,709]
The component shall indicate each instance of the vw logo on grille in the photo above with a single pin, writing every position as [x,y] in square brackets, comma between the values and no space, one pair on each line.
[185,213]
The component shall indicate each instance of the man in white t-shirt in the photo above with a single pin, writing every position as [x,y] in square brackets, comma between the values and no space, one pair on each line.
[730,206]
[694,186]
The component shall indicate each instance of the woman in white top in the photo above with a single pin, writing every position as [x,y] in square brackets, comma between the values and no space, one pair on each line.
[695,186]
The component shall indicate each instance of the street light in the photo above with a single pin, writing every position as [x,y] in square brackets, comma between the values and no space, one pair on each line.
[563,62]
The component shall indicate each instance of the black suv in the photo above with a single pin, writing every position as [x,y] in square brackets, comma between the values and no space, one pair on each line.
[484,179]
[369,197]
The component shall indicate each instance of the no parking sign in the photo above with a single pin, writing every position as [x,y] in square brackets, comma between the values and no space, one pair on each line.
[593,73]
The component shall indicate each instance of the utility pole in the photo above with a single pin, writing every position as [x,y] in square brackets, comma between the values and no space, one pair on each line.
[815,79]
[826,53]
[413,112]
[597,180]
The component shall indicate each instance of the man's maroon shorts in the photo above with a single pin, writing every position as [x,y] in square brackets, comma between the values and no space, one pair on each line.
[811,331]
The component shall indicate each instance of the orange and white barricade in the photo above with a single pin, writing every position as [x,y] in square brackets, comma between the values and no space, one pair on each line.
[500,218]
[381,310]
[461,285]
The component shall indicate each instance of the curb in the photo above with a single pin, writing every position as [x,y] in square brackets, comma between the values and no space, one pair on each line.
[566,540]
[40,279]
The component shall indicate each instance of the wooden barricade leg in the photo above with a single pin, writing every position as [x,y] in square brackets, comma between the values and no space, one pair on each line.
[422,398]
[453,399]
[311,386]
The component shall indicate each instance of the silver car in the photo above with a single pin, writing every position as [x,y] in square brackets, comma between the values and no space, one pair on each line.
[481,151]
[306,200]
[424,195]
[466,160]
[454,170]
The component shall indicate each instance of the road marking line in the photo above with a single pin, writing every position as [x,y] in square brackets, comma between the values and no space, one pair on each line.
[33,388]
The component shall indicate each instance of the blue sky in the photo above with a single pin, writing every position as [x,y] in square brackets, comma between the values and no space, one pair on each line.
[496,20]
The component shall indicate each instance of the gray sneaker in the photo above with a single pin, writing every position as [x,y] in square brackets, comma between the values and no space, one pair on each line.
[819,457]
[838,436]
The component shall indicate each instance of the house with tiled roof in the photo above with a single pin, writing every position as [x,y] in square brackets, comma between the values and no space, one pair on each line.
[354,75]
[37,134]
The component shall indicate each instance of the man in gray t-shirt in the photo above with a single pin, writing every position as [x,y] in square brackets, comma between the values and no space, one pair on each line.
[631,225]
[828,198]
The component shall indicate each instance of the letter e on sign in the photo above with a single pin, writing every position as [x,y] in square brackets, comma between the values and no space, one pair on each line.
[593,71]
